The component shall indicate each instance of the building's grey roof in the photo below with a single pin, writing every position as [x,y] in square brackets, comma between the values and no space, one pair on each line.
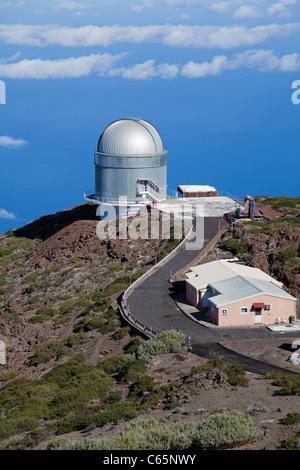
[241,288]
[130,136]
[204,274]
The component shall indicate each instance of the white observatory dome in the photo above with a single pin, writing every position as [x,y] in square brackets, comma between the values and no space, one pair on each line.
[130,136]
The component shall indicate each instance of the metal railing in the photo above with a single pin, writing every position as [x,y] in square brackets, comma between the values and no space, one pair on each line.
[90,196]
[124,307]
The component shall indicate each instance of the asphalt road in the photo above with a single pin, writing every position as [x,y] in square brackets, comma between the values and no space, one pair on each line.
[153,304]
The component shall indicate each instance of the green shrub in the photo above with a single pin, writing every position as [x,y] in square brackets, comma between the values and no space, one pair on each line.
[165,342]
[16,426]
[46,351]
[116,413]
[291,418]
[34,300]
[42,314]
[224,430]
[75,340]
[235,374]
[38,319]
[113,269]
[290,384]
[89,385]
[99,323]
[145,383]
[111,364]
[292,443]
[2,280]
[236,247]
[131,370]
[30,278]
[134,344]
[113,397]
[8,375]
[67,307]
[141,435]
[122,332]
[288,253]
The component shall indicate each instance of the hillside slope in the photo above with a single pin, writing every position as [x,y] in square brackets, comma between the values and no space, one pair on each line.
[72,369]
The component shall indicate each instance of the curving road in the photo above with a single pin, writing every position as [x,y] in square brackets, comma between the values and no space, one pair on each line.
[152,303]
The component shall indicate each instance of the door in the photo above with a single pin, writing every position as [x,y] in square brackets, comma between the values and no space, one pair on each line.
[258,316]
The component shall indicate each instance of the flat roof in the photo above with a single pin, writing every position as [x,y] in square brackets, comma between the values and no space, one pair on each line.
[196,188]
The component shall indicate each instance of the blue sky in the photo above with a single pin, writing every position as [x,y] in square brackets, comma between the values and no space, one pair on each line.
[213,76]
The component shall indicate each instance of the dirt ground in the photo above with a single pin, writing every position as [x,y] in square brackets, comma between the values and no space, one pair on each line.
[259,395]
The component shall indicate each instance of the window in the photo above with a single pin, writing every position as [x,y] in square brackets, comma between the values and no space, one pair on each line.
[244,309]
[224,311]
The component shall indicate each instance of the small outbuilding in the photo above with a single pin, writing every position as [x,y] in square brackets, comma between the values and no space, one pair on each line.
[232,294]
[191,190]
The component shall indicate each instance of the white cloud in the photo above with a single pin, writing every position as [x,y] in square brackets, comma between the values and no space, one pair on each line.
[11,142]
[199,70]
[262,60]
[226,37]
[281,8]
[247,11]
[220,7]
[72,67]
[145,71]
[15,4]
[184,17]
[142,5]
[4,214]
[195,36]
[70,6]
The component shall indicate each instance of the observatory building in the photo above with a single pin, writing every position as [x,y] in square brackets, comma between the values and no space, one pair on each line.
[130,167]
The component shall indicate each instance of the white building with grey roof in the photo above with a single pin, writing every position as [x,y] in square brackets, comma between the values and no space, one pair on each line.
[236,295]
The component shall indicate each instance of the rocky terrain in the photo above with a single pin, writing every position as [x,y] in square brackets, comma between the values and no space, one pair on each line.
[59,286]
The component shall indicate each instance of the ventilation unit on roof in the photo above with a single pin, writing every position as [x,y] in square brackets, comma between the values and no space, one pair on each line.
[268,307]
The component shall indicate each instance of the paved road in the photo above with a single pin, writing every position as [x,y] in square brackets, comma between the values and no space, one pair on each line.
[152,303]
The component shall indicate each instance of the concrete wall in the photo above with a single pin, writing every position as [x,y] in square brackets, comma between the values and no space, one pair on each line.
[234,317]
[191,294]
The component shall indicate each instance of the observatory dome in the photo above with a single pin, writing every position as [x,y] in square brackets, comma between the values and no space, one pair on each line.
[130,136]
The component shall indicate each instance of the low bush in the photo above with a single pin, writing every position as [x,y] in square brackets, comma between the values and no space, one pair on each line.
[122,332]
[2,279]
[236,247]
[12,374]
[235,374]
[224,430]
[116,413]
[46,351]
[75,340]
[144,383]
[288,253]
[289,384]
[113,269]
[291,418]
[165,342]
[142,435]
[292,443]
[218,431]
[130,370]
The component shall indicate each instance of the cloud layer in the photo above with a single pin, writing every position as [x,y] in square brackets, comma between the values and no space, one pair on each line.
[197,36]
[106,65]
